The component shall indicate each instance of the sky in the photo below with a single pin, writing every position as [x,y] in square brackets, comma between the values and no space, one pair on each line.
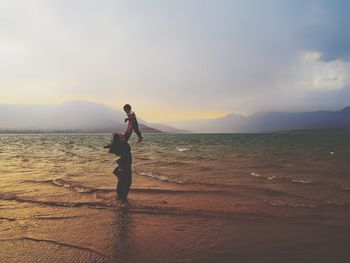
[177,60]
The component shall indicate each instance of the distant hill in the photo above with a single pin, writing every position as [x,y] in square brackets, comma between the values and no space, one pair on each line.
[167,128]
[77,116]
[85,116]
[271,121]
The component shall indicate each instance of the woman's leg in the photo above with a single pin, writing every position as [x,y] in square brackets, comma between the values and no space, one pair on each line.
[124,183]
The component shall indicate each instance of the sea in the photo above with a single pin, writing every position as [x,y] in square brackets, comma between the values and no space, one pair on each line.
[259,197]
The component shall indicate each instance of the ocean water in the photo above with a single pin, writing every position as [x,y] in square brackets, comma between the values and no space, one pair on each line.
[194,197]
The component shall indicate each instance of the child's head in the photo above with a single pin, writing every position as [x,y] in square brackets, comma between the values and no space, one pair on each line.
[127,108]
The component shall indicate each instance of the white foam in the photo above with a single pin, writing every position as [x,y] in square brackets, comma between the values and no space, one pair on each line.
[160,177]
[77,188]
[272,177]
[300,181]
[290,204]
[256,174]
[334,203]
[182,149]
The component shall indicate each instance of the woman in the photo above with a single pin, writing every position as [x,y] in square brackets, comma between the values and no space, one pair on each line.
[121,148]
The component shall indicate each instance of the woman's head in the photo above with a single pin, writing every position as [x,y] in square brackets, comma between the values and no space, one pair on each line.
[117,141]
[117,137]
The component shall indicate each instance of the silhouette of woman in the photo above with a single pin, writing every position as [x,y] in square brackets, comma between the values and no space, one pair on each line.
[120,147]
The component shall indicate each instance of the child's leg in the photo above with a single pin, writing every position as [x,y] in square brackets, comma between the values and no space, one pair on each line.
[137,131]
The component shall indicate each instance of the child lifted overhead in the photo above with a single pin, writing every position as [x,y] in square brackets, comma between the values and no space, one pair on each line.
[133,124]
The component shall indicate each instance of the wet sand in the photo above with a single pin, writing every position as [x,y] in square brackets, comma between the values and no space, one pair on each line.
[38,232]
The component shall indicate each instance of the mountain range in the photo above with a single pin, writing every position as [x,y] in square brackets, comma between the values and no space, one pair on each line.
[85,116]
[74,116]
[271,121]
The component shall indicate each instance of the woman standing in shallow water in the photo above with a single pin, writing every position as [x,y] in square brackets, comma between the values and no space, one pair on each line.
[120,147]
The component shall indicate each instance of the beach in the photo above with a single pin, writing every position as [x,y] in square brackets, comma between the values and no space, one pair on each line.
[278,197]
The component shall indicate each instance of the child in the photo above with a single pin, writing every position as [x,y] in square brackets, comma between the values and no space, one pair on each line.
[120,147]
[133,124]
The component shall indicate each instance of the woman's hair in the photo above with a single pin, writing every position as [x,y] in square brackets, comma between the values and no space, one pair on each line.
[115,146]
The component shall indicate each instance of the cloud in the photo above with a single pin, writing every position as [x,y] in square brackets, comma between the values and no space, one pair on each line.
[226,56]
[311,56]
[300,83]
[312,73]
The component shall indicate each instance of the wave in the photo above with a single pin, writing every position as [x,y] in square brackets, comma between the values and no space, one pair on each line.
[160,177]
[74,186]
[161,209]
[217,188]
[282,178]
[13,197]
[183,191]
[328,203]
[301,181]
[259,175]
[198,188]
[86,189]
[182,149]
[146,209]
[70,185]
[291,204]
[132,207]
[336,203]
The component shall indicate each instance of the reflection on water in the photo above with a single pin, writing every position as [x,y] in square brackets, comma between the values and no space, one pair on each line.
[124,246]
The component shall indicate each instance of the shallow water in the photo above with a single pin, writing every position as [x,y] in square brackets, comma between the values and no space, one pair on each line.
[194,197]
